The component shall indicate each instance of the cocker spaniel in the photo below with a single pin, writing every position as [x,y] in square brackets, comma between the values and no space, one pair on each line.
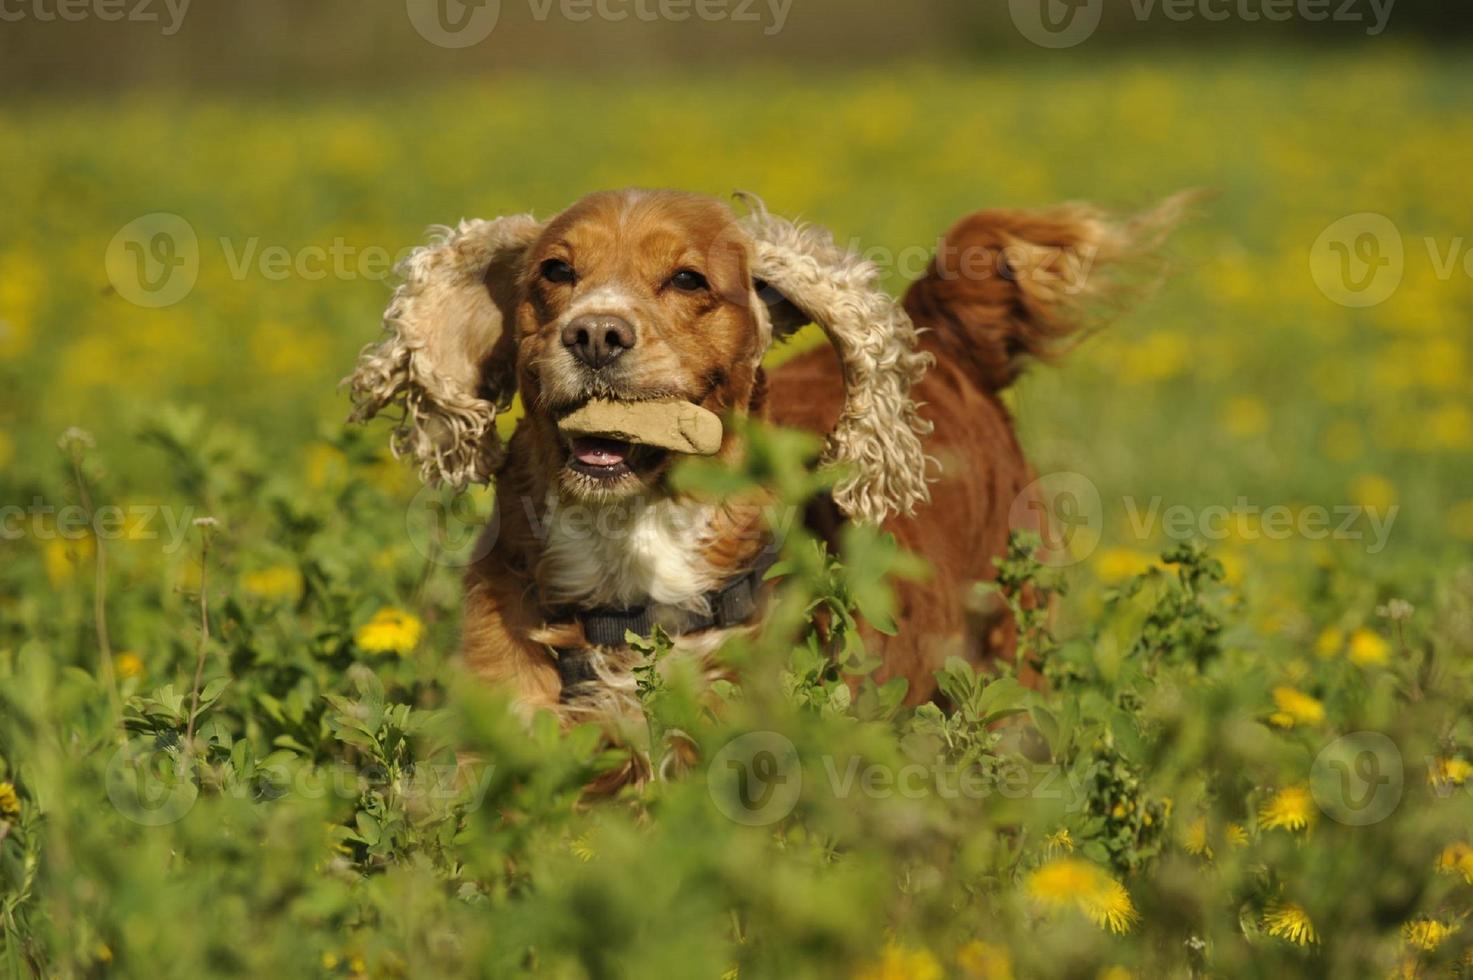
[632,318]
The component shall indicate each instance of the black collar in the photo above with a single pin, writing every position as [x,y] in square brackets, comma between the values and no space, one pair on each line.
[730,605]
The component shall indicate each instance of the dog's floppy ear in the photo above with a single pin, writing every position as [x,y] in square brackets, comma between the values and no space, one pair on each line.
[801,276]
[448,361]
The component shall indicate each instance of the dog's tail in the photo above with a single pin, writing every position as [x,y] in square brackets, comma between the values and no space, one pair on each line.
[1008,285]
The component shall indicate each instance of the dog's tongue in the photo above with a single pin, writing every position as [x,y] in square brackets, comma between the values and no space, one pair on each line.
[593,451]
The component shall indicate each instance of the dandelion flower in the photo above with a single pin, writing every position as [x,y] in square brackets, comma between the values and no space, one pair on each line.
[1236,835]
[1330,642]
[1449,772]
[1115,565]
[899,963]
[1286,920]
[1373,492]
[280,582]
[1299,708]
[985,961]
[1245,416]
[127,664]
[1368,649]
[389,631]
[1070,881]
[1195,839]
[1457,858]
[1291,808]
[9,801]
[1426,934]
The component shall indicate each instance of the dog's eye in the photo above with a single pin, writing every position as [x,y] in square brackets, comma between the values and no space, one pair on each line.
[689,281]
[556,270]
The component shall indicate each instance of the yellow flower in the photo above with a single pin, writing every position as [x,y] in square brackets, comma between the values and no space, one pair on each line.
[1115,565]
[1115,973]
[280,582]
[985,961]
[1331,641]
[1287,920]
[127,664]
[9,801]
[1449,427]
[326,465]
[1449,772]
[1368,649]
[1296,708]
[1427,934]
[61,557]
[1457,858]
[389,631]
[1373,492]
[1070,881]
[1236,835]
[1195,839]
[899,963]
[1155,357]
[1244,416]
[1291,808]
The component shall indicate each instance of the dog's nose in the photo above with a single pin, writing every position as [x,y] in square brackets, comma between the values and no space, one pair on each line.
[597,339]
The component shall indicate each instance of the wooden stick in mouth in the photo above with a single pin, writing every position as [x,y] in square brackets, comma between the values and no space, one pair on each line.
[675,425]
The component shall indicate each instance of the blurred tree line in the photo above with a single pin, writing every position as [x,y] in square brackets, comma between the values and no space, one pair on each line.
[287,44]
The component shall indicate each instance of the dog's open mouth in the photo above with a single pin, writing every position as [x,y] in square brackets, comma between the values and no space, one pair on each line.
[599,457]
[608,440]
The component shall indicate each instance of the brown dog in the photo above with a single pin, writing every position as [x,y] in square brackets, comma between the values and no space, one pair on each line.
[641,296]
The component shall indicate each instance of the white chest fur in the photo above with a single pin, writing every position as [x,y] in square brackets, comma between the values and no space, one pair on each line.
[626,553]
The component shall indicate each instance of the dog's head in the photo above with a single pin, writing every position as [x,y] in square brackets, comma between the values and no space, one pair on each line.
[635,296]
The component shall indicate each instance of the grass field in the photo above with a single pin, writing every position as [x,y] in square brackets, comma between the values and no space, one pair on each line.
[1259,750]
